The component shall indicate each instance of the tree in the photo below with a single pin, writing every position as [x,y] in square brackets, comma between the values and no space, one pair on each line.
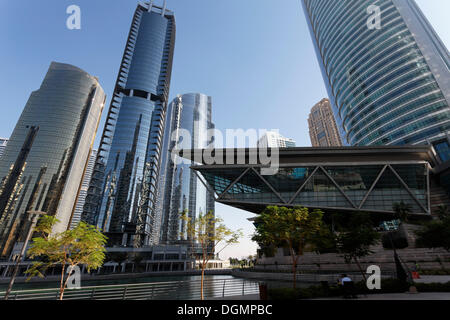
[402,210]
[442,212]
[355,241]
[435,234]
[83,245]
[324,241]
[119,257]
[289,227]
[137,259]
[208,231]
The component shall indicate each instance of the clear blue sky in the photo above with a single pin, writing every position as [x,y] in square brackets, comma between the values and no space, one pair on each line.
[254,57]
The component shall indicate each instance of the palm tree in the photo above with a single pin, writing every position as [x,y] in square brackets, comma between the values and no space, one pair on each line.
[442,212]
[402,210]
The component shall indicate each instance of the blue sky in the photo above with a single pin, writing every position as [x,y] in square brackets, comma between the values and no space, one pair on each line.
[254,57]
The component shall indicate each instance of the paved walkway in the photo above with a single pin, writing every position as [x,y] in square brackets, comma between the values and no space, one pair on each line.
[433,279]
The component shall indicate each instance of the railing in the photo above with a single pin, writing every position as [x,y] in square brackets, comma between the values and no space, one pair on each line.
[172,290]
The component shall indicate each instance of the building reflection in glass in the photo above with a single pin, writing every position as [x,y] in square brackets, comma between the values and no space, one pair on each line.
[184,192]
[46,156]
[121,198]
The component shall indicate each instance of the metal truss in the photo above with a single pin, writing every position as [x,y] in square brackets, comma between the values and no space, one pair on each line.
[317,168]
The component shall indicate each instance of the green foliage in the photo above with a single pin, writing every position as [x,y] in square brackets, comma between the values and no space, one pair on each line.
[83,245]
[312,292]
[45,225]
[402,210]
[435,234]
[442,212]
[209,231]
[294,227]
[325,241]
[355,242]
[399,239]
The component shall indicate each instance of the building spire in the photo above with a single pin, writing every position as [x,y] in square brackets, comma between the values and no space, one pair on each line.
[150,6]
[163,11]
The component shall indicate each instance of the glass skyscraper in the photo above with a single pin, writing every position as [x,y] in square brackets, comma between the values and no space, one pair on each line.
[3,143]
[47,154]
[388,85]
[81,200]
[122,195]
[191,128]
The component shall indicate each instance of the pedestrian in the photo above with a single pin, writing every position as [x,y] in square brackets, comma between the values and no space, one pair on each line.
[348,287]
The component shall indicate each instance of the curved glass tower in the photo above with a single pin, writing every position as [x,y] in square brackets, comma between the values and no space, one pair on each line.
[122,194]
[48,152]
[388,86]
[184,192]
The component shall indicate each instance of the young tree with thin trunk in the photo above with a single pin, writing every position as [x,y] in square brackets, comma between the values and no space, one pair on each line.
[355,240]
[435,234]
[83,245]
[291,227]
[209,232]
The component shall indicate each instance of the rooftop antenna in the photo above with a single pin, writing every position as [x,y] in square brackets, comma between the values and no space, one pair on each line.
[164,8]
[150,6]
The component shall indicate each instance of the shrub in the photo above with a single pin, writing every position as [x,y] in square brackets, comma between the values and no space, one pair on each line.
[398,238]
[283,294]
[387,286]
[433,287]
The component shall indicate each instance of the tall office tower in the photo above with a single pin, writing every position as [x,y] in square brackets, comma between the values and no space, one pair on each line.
[387,74]
[272,139]
[46,156]
[190,128]
[84,189]
[122,194]
[322,126]
[3,143]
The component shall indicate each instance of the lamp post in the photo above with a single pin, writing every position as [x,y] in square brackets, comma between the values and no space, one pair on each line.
[35,216]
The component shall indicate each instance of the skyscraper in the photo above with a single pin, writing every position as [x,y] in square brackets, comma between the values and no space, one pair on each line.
[122,195]
[3,143]
[190,128]
[273,139]
[389,83]
[83,190]
[322,126]
[43,163]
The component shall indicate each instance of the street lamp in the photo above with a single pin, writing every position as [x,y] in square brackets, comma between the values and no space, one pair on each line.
[35,216]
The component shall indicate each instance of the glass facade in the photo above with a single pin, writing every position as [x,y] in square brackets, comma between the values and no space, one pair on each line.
[388,86]
[46,156]
[83,191]
[3,143]
[184,192]
[122,195]
[362,187]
